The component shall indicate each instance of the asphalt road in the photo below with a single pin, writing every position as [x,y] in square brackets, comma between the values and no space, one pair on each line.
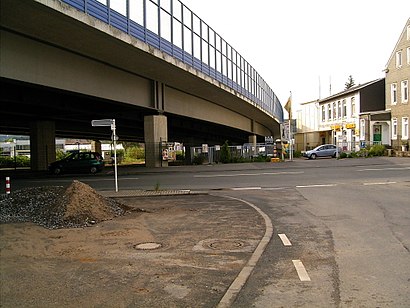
[344,226]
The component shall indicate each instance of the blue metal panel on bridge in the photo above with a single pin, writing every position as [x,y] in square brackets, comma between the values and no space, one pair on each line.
[200,46]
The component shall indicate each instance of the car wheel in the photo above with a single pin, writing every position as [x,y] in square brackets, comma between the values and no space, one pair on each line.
[93,170]
[57,171]
[313,156]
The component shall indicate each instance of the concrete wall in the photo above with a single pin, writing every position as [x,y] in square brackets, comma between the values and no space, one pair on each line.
[31,61]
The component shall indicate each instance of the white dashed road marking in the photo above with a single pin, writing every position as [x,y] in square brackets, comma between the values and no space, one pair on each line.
[302,273]
[380,183]
[317,185]
[285,240]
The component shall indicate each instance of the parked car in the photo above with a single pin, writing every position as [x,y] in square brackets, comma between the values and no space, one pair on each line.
[78,162]
[323,150]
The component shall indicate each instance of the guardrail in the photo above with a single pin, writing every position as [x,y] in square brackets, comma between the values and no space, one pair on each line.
[173,28]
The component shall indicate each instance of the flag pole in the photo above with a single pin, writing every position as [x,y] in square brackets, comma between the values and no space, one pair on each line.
[288,108]
[290,141]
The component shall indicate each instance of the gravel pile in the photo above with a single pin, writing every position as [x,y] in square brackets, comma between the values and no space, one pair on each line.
[56,207]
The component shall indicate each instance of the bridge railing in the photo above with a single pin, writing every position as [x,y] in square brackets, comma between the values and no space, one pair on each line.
[174,29]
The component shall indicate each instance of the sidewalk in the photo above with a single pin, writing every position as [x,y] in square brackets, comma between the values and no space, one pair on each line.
[179,251]
[296,163]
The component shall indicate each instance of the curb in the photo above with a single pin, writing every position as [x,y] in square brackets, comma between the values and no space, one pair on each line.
[237,285]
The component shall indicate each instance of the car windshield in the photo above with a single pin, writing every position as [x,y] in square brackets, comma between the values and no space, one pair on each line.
[72,156]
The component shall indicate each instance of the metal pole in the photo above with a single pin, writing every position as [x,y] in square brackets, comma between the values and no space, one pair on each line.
[290,141]
[115,154]
[8,185]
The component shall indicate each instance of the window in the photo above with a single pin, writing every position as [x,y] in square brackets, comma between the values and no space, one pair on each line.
[362,129]
[344,108]
[394,129]
[398,59]
[405,128]
[404,91]
[393,90]
[408,33]
[353,106]
[339,110]
[408,55]
[323,113]
[334,111]
[329,112]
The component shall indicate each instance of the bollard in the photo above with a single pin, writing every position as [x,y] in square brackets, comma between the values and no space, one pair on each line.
[7,185]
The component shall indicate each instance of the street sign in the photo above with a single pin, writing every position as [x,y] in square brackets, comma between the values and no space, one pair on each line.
[103,122]
[114,137]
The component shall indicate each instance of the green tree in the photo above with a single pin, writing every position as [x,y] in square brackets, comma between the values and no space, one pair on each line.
[350,83]
[225,153]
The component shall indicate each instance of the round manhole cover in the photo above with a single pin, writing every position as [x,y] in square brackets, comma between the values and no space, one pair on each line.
[148,246]
[225,244]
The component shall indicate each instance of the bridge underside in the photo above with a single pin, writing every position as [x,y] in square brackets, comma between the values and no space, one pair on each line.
[23,103]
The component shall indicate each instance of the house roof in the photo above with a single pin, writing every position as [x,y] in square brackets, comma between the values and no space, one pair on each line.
[398,42]
[352,89]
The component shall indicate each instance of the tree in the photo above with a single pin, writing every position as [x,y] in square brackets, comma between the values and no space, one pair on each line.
[350,83]
[225,153]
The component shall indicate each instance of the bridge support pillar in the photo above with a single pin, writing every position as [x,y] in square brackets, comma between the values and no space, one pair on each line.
[252,140]
[96,146]
[155,133]
[42,145]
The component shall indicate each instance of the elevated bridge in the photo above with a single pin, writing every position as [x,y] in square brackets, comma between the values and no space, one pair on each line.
[159,70]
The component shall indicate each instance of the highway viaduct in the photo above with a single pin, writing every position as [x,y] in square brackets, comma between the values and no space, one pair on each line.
[62,67]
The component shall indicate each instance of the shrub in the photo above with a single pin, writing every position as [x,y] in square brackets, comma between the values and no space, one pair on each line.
[11,162]
[343,155]
[377,150]
[199,159]
[297,154]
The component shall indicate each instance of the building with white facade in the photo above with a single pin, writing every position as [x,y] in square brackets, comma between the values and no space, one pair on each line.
[353,118]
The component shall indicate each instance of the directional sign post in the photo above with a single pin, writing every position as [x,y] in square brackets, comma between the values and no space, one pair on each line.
[111,123]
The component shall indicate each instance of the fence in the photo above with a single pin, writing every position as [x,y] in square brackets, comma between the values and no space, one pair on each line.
[237,153]
[173,28]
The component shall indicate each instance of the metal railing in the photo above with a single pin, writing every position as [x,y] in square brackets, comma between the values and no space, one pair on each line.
[173,28]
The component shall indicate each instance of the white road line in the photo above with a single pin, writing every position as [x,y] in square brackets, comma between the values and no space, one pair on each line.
[300,269]
[285,240]
[317,185]
[383,169]
[246,188]
[247,174]
[380,183]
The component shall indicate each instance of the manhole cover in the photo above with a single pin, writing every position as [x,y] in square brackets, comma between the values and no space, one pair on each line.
[225,244]
[228,245]
[148,246]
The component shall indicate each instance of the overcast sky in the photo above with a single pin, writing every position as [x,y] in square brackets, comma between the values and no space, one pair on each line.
[295,43]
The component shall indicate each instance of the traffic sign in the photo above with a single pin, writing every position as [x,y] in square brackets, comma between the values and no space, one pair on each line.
[103,122]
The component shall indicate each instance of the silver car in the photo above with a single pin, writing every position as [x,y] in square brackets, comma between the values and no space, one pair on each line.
[323,150]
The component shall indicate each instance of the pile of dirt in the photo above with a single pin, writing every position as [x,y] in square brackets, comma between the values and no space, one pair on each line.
[54,207]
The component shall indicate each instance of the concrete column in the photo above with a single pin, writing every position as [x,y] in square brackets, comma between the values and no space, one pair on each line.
[155,132]
[252,140]
[96,146]
[42,144]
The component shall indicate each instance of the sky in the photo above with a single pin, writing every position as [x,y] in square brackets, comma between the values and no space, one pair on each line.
[309,47]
